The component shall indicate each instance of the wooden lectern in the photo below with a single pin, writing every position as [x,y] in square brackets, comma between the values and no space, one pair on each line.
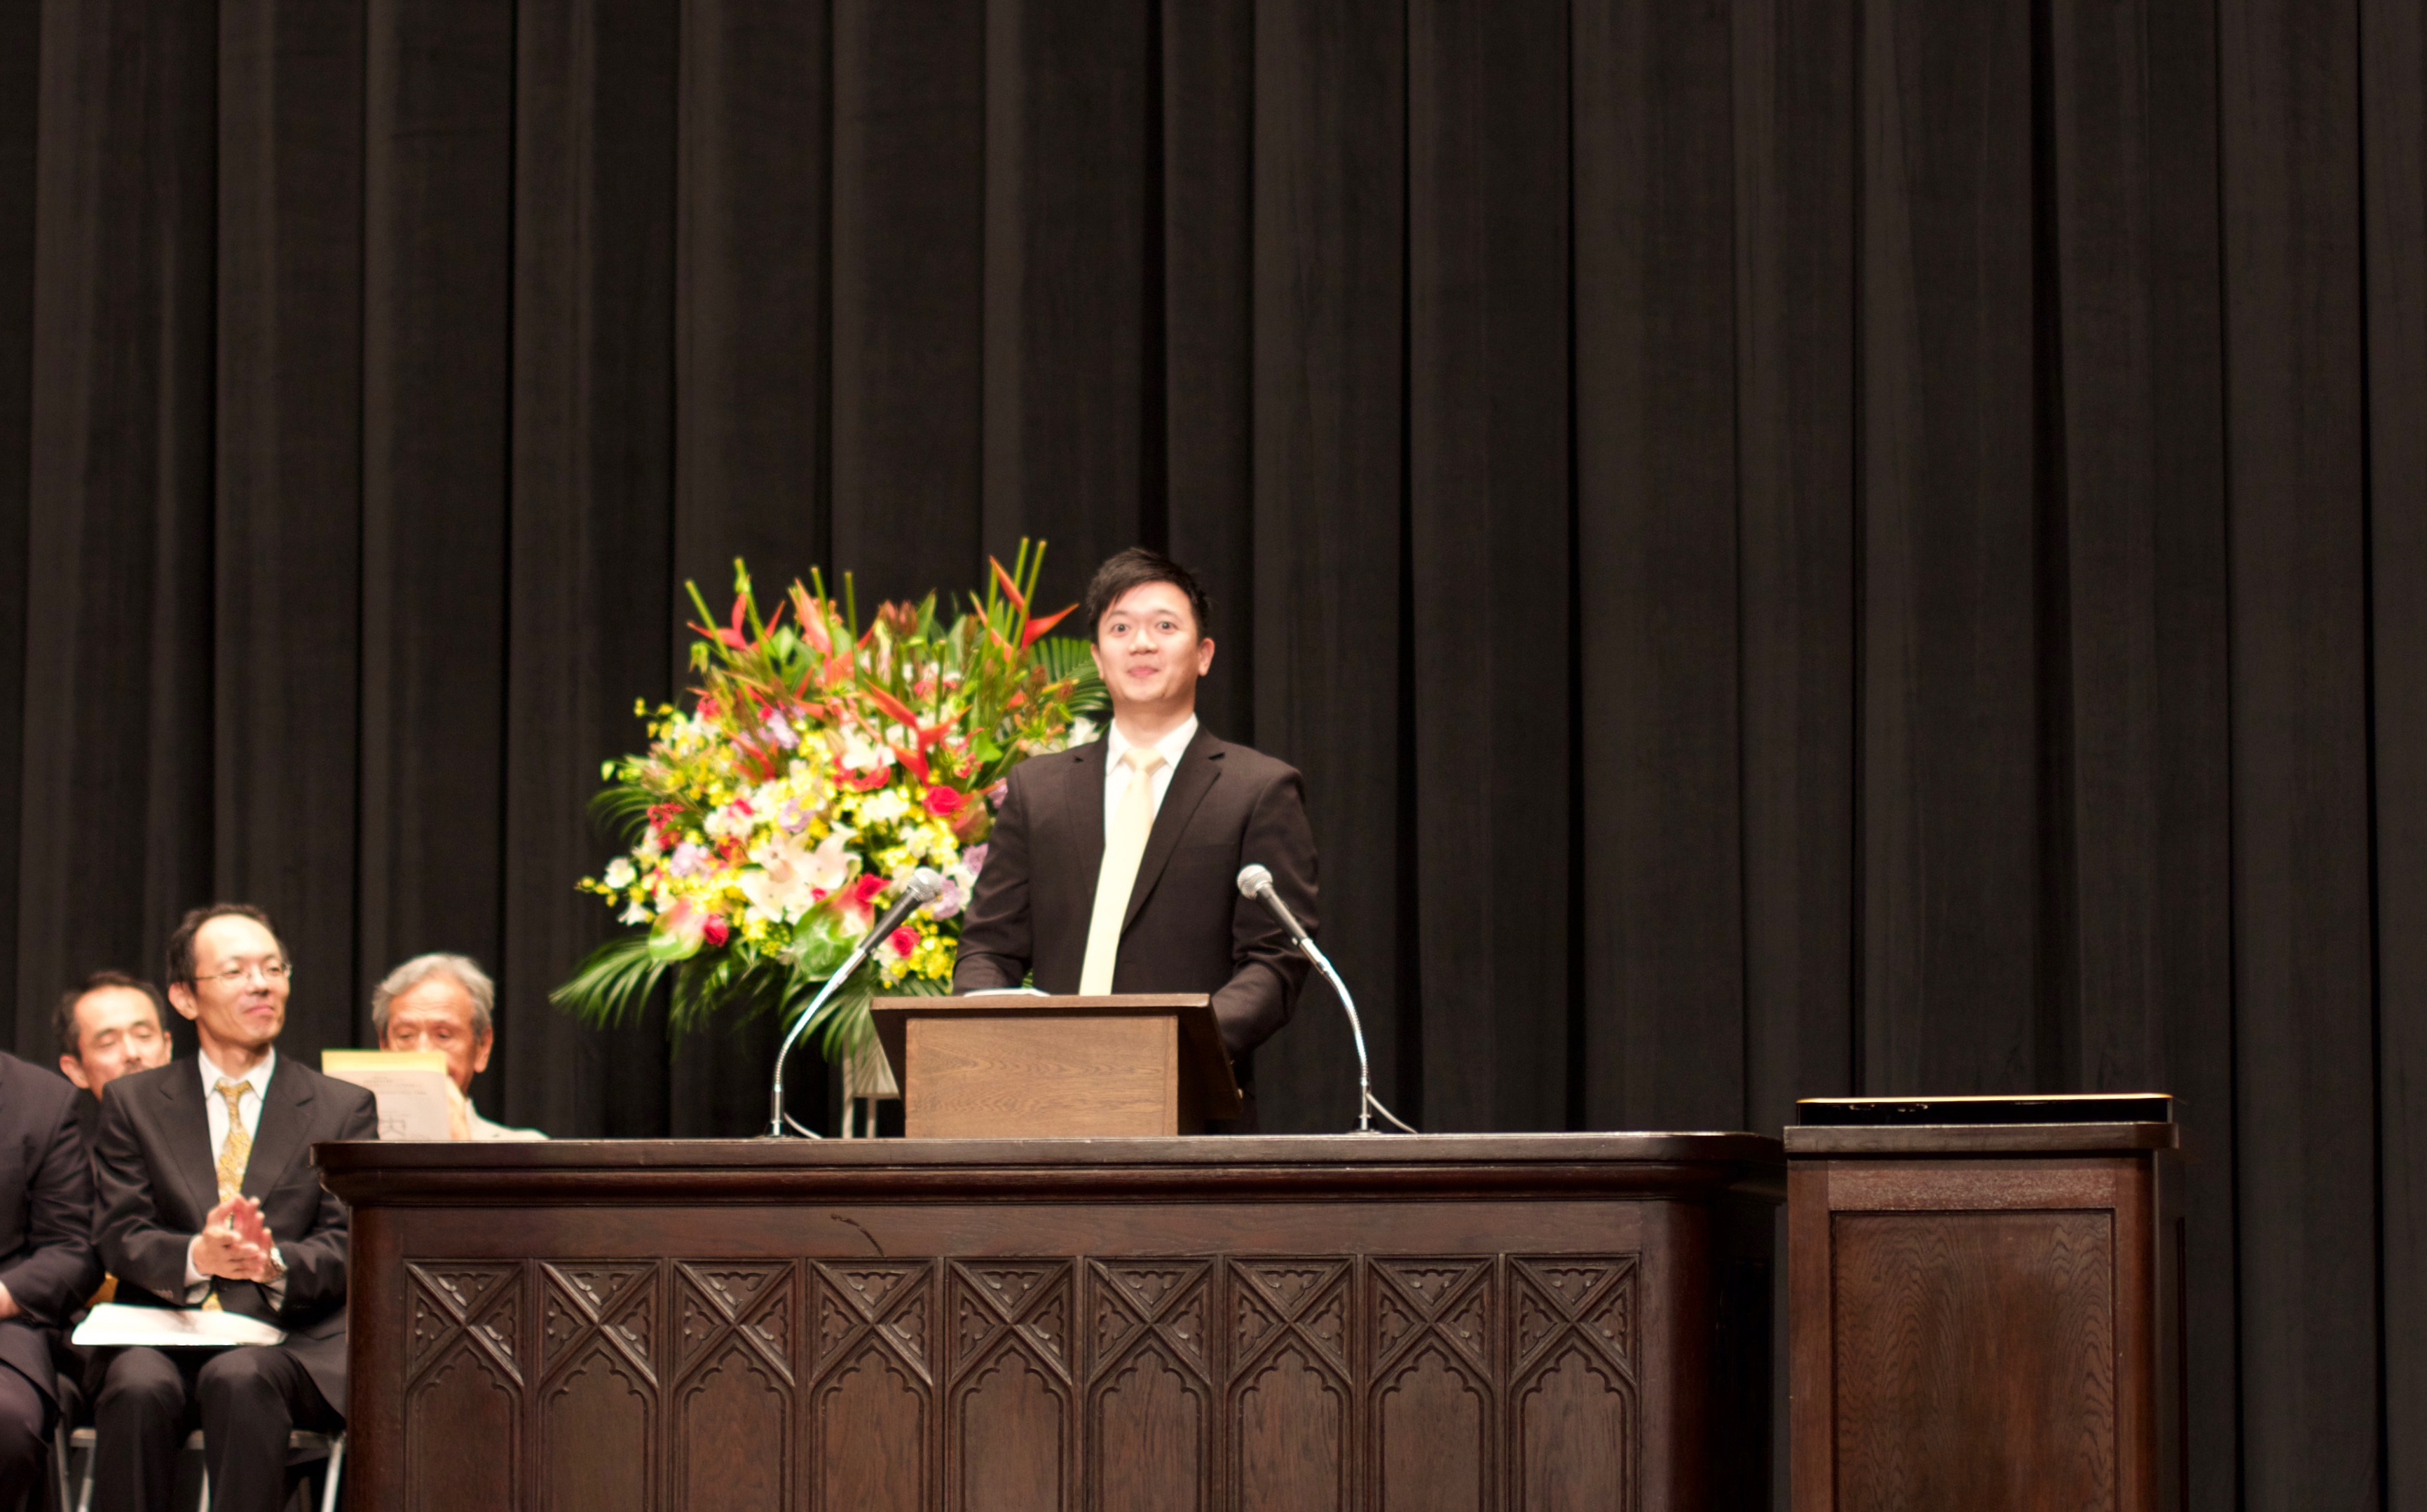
[1018,1066]
[1983,1305]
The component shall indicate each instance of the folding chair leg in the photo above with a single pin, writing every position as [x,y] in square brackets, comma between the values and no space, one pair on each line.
[61,1455]
[337,1468]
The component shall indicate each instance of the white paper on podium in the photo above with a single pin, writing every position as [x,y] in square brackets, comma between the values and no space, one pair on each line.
[117,1326]
[411,1085]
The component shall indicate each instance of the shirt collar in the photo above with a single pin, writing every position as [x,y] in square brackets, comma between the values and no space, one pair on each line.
[257,1079]
[1173,745]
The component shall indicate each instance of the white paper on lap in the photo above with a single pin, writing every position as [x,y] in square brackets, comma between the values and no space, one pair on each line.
[118,1326]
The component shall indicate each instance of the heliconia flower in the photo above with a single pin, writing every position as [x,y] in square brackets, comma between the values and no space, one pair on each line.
[943,802]
[914,759]
[1010,590]
[1037,628]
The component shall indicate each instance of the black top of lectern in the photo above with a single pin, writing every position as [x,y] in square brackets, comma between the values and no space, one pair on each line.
[2059,1107]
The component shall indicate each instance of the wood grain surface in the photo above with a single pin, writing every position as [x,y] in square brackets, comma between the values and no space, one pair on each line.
[1583,1331]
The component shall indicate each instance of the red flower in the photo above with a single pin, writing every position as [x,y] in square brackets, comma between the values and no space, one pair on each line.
[943,802]
[864,891]
[862,780]
[902,941]
[716,930]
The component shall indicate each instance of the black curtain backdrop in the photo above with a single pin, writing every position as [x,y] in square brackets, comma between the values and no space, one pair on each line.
[1803,546]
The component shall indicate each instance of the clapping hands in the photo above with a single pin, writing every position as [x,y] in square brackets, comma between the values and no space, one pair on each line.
[236,1245]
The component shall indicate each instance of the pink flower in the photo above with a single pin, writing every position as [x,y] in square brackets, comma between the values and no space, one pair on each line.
[943,802]
[974,858]
[902,942]
[716,930]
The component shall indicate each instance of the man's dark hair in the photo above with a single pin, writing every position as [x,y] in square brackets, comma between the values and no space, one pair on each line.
[181,944]
[1135,568]
[63,1018]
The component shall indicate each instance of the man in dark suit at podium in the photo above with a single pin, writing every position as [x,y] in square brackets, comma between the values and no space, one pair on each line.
[209,1198]
[1113,865]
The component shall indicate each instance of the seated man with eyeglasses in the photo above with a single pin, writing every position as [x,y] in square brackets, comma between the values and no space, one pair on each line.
[208,1199]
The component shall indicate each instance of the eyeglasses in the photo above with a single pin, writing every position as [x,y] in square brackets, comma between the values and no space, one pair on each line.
[271,971]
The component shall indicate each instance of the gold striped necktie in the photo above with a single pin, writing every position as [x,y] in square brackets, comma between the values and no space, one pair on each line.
[1124,848]
[234,1154]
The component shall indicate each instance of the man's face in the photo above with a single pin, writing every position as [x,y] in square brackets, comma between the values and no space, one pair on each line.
[239,994]
[1148,650]
[437,1015]
[118,1031]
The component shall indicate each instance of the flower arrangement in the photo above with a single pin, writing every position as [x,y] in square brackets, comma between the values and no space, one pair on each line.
[819,764]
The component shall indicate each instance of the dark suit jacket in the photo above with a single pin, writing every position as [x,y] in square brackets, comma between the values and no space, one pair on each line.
[47,1255]
[1187,929]
[158,1182]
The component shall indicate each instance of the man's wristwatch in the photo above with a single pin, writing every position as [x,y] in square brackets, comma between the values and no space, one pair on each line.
[277,1272]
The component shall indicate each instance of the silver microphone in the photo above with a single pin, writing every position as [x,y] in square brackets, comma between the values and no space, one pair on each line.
[1256,882]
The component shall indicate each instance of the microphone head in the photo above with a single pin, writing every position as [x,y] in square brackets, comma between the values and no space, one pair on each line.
[1253,880]
[926,885]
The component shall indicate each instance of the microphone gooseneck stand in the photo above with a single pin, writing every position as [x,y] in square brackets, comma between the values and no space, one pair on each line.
[1257,882]
[919,887]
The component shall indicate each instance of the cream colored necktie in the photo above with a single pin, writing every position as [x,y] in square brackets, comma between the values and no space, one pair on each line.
[1124,848]
[233,1156]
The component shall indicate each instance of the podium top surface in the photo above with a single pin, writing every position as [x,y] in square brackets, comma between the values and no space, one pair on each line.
[1619,1166]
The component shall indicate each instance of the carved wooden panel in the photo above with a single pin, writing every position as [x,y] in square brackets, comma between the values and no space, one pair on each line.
[1150,1417]
[1105,1383]
[1976,1359]
[599,1420]
[733,1396]
[1433,1396]
[463,1408]
[1577,1417]
[872,1395]
[1011,1439]
[1292,1402]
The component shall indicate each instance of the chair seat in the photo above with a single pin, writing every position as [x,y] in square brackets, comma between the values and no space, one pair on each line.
[302,1447]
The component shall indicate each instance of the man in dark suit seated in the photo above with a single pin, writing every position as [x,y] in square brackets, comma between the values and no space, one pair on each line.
[1113,865]
[47,1267]
[209,1198]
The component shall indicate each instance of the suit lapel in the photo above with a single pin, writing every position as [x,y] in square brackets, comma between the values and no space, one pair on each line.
[189,1136]
[1195,777]
[279,1137]
[1080,819]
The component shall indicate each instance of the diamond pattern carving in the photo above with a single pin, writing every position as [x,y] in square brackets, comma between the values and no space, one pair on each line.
[478,1303]
[858,1303]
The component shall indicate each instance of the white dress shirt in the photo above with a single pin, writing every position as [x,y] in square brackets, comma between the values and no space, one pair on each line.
[1117,777]
[198,1286]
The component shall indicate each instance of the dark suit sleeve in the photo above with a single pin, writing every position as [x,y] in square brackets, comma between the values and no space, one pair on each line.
[61,1268]
[315,1263]
[135,1245]
[1266,970]
[998,940]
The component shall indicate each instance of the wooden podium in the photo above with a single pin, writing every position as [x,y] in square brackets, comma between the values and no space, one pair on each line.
[1018,1065]
[1984,1306]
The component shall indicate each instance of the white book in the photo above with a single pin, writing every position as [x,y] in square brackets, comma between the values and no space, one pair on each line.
[118,1326]
[411,1086]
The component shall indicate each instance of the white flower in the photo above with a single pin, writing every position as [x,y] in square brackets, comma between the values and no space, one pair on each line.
[620,874]
[790,878]
[884,807]
[637,914]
